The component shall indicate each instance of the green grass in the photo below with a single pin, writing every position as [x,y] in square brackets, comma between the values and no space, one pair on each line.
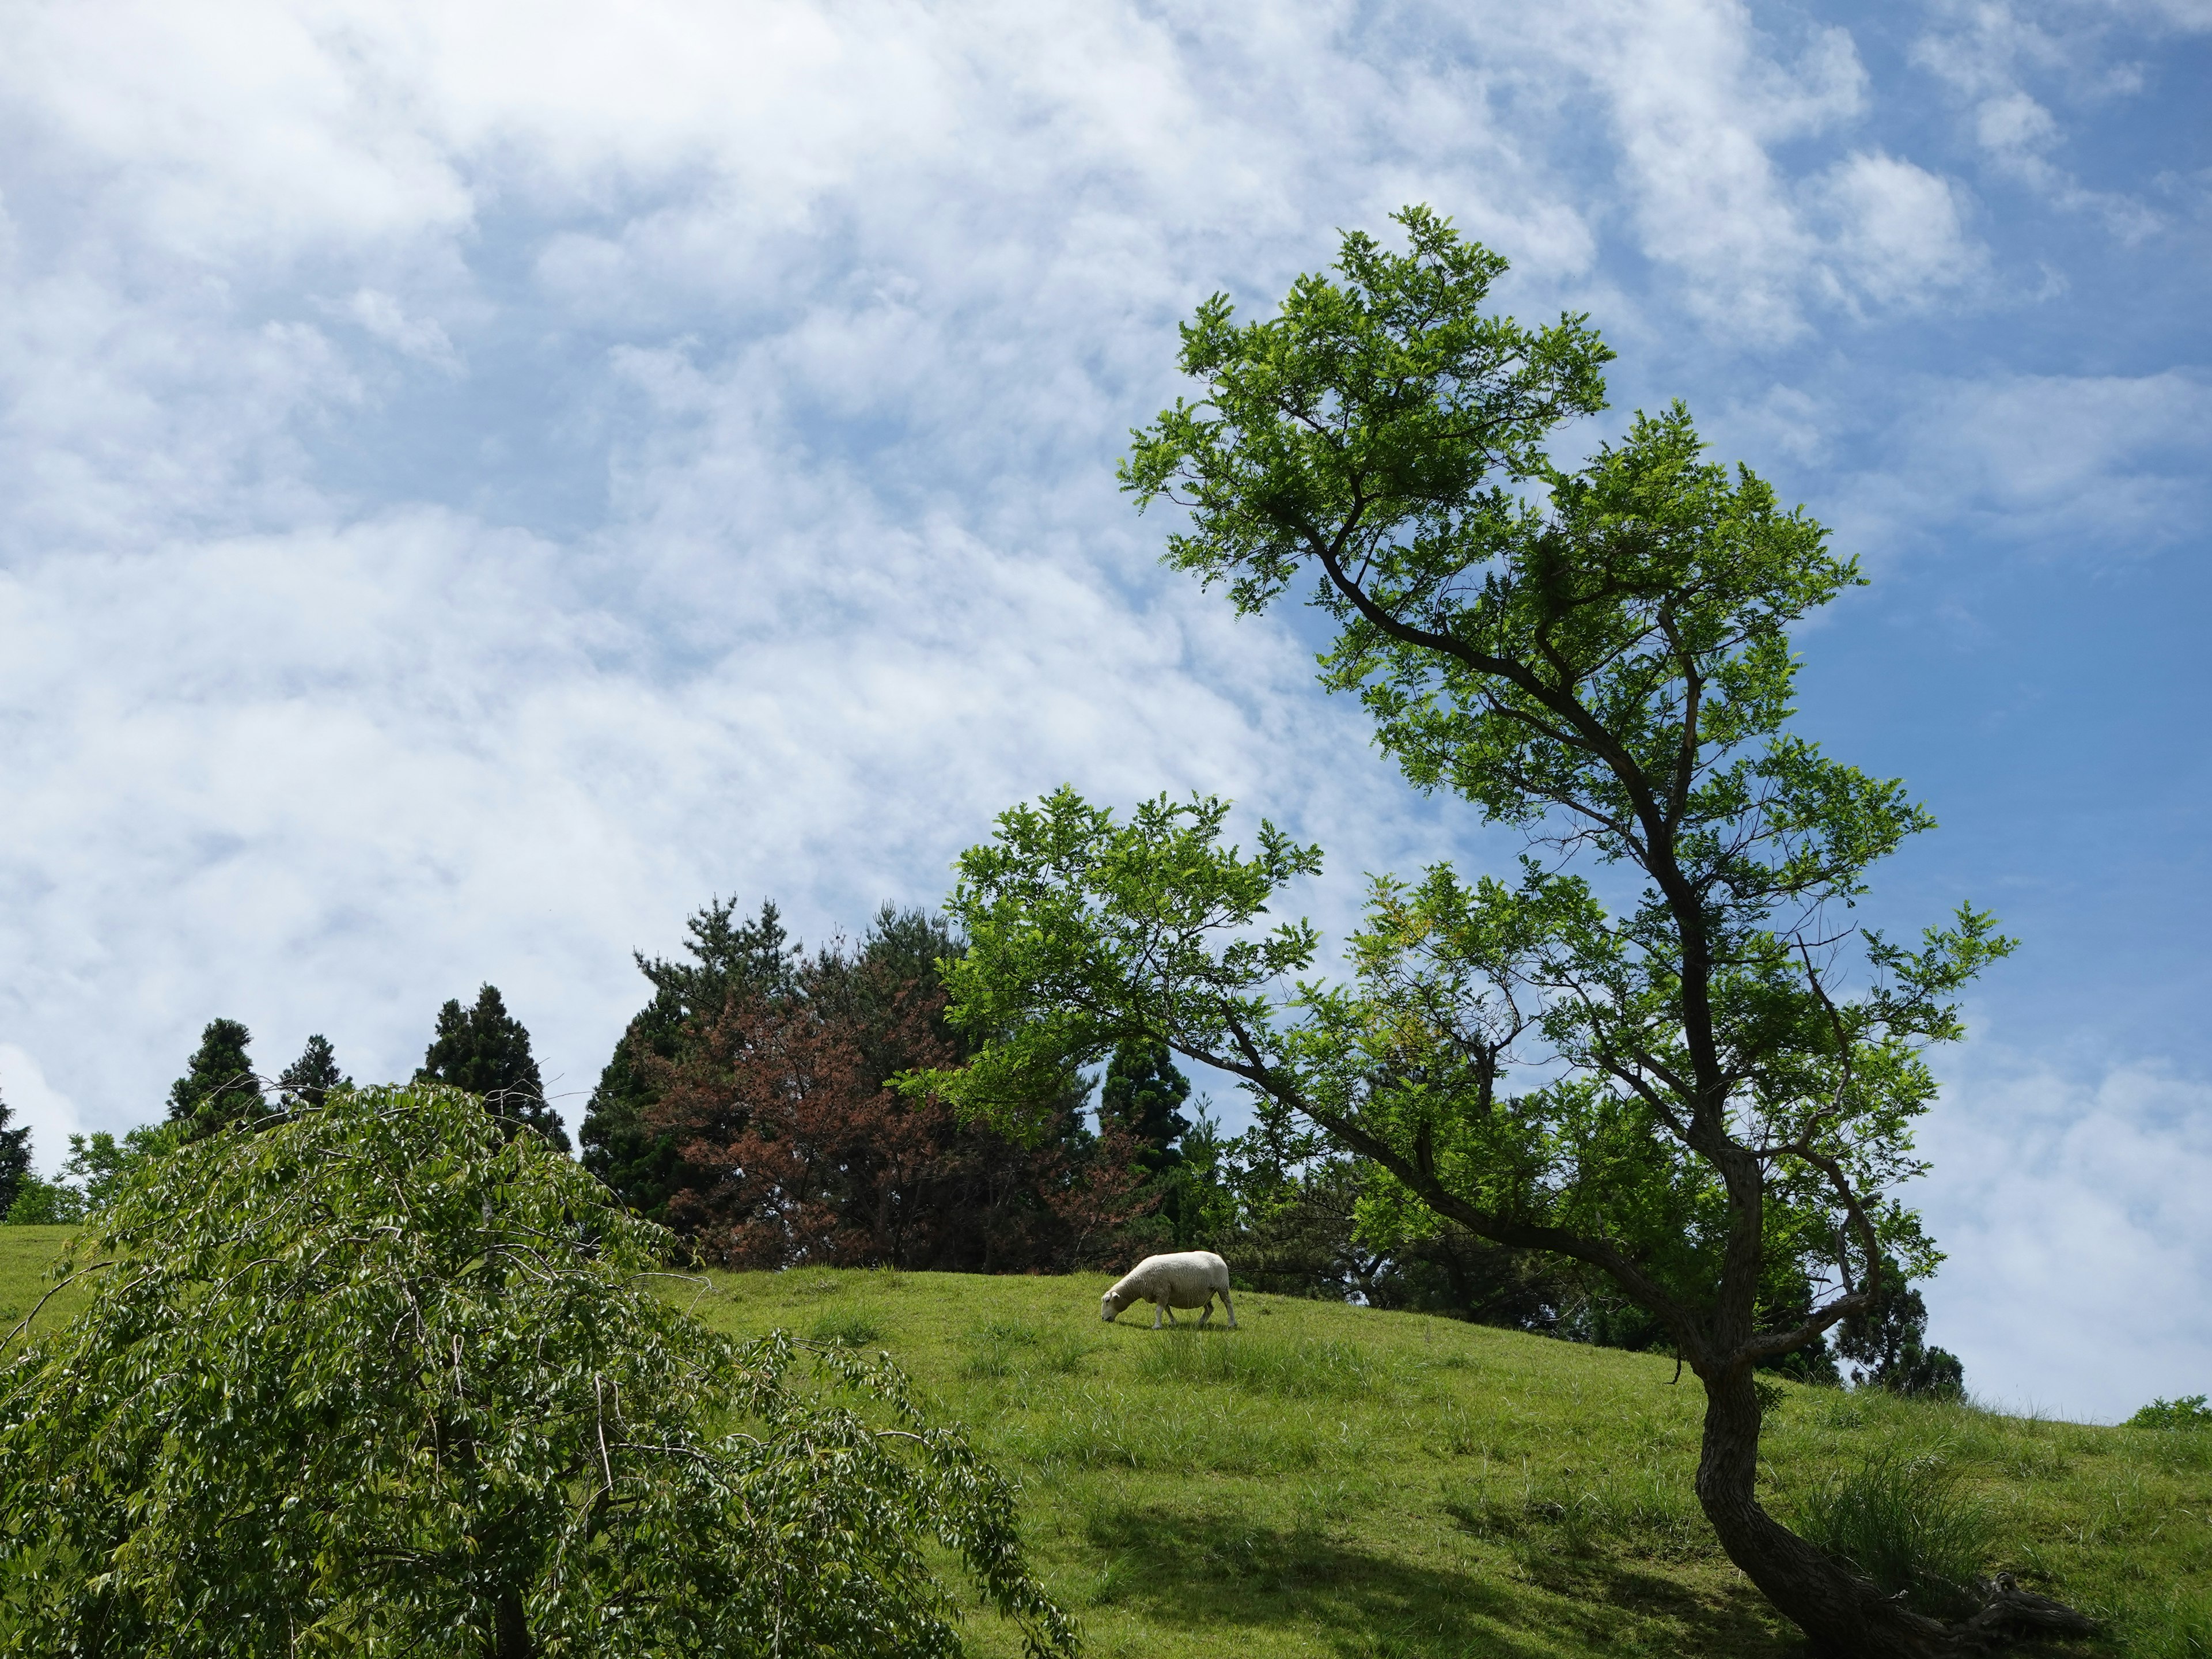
[1333,1482]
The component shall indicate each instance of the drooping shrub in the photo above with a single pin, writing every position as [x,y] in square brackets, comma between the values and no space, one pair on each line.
[381,1380]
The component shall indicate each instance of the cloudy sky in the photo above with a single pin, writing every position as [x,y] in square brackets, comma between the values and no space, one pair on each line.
[480,480]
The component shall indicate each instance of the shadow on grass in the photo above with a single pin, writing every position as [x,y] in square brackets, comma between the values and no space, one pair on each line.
[1222,1570]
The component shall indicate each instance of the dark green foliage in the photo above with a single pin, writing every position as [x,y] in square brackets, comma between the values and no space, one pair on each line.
[14,1157]
[1907,1524]
[218,1086]
[1142,1093]
[484,1051]
[1887,1345]
[636,1160]
[308,1080]
[382,1379]
[2190,1411]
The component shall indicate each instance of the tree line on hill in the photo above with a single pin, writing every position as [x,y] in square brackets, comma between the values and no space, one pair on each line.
[750,1107]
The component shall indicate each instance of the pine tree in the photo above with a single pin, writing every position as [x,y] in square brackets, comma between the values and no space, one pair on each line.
[308,1080]
[486,1051]
[14,1157]
[1143,1090]
[1889,1347]
[218,1086]
[725,953]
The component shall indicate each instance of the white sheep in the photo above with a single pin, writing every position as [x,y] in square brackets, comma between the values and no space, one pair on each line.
[1187,1279]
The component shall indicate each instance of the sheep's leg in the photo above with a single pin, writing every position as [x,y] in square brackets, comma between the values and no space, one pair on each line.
[1158,1307]
[1208,1314]
[1232,1307]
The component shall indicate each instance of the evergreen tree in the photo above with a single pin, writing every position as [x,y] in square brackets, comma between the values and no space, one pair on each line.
[1889,1347]
[486,1051]
[723,953]
[14,1157]
[1143,1090]
[218,1086]
[308,1080]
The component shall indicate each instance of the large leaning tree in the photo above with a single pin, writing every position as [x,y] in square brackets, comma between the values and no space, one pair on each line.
[385,1378]
[1663,1049]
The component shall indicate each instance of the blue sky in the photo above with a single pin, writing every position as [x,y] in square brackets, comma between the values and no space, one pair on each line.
[482,480]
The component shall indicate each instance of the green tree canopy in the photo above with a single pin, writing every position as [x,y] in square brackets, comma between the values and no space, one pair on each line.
[218,1085]
[382,1379]
[1665,1048]
[485,1051]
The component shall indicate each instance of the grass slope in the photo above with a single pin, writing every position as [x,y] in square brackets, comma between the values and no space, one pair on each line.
[1329,1480]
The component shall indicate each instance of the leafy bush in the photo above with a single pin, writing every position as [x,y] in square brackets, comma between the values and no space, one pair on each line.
[1905,1523]
[42,1203]
[377,1380]
[2190,1411]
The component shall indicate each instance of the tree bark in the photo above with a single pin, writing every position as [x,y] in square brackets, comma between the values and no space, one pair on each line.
[1842,1616]
[510,1630]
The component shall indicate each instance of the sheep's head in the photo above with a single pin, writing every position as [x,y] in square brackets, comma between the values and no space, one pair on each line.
[1111,1306]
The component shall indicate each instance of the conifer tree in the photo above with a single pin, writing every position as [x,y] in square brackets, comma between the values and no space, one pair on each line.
[486,1051]
[722,954]
[1142,1091]
[308,1080]
[218,1086]
[14,1156]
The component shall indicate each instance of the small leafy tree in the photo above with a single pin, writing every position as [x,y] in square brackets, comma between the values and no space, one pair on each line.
[485,1051]
[1662,1050]
[382,1379]
[218,1086]
[99,1163]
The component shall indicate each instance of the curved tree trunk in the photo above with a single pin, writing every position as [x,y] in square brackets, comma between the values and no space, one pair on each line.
[1842,1614]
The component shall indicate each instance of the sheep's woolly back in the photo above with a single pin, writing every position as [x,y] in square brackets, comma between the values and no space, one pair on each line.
[1182,1273]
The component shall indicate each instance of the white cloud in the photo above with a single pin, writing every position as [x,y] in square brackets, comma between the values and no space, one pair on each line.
[1987,51]
[752,530]
[36,1105]
[2098,468]
[2072,1209]
[419,338]
[1897,236]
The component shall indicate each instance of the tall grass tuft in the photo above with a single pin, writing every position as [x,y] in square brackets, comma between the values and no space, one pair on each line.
[1008,1348]
[1907,1524]
[854,1328]
[1292,1370]
[2177,1626]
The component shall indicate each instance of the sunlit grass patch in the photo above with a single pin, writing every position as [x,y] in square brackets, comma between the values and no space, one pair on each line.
[1095,1427]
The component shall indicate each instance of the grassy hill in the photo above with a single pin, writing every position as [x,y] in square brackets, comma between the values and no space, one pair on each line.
[1330,1480]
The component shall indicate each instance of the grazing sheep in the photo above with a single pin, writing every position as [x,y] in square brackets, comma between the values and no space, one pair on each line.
[1187,1279]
